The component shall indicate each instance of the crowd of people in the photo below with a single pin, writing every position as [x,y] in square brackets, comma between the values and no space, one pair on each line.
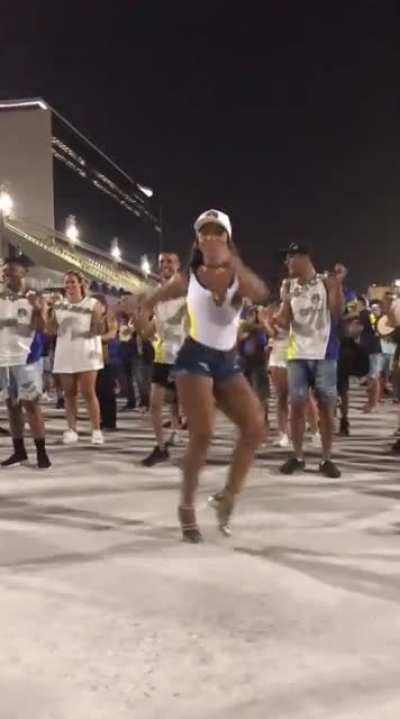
[210,337]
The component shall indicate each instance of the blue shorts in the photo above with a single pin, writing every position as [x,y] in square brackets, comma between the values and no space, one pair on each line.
[376,366]
[318,375]
[195,358]
[22,382]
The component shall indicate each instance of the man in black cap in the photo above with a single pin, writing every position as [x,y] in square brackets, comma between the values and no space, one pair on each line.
[312,305]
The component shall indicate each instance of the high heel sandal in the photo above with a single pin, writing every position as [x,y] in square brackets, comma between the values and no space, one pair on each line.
[190,530]
[223,503]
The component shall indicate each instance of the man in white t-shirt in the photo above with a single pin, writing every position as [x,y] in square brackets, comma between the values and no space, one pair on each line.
[312,305]
[21,315]
[167,330]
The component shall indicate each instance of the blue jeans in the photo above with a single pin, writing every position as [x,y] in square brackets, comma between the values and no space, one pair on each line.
[318,375]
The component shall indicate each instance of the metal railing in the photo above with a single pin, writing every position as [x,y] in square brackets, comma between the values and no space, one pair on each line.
[83,257]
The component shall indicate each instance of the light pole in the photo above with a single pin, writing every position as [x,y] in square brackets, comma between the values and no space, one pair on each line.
[145,266]
[160,231]
[71,229]
[146,190]
[6,206]
[115,251]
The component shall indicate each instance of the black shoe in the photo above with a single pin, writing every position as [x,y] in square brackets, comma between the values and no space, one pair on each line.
[396,447]
[293,465]
[15,460]
[344,430]
[43,461]
[60,403]
[156,457]
[167,424]
[329,469]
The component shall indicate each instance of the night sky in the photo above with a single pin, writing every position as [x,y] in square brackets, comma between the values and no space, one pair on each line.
[285,114]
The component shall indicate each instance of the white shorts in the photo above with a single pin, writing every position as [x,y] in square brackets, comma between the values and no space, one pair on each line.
[277,359]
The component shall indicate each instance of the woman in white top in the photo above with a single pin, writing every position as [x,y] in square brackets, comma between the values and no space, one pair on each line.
[207,369]
[77,320]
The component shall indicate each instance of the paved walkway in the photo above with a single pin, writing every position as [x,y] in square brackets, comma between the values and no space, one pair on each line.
[105,614]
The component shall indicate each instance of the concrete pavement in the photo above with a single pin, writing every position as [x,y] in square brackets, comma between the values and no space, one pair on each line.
[104,613]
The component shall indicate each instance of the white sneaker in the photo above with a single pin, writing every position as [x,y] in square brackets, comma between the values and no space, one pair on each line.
[97,437]
[315,441]
[70,436]
[283,441]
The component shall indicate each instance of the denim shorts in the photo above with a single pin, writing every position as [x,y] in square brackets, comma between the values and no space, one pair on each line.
[376,365]
[22,382]
[318,375]
[195,358]
[387,364]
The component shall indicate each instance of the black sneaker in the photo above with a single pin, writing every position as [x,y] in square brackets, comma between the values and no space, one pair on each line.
[156,457]
[60,403]
[15,460]
[329,469]
[344,430]
[43,461]
[293,465]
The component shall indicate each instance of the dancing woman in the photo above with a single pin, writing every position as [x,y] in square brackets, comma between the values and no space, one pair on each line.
[207,369]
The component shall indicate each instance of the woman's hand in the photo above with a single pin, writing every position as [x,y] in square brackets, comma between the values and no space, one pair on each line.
[217,280]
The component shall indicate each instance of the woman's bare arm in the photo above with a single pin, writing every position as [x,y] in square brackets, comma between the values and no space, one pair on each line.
[250,285]
[172,290]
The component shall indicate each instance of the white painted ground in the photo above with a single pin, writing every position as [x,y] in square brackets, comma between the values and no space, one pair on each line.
[105,614]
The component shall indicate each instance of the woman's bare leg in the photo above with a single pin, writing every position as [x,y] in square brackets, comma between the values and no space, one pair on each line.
[87,383]
[280,381]
[70,386]
[197,401]
[239,403]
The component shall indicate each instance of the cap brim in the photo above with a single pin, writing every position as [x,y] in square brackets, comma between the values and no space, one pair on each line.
[283,254]
[210,221]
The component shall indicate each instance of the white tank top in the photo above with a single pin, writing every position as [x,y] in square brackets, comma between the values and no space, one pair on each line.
[213,325]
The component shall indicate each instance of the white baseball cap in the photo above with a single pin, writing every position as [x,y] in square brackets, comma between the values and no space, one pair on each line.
[216,216]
